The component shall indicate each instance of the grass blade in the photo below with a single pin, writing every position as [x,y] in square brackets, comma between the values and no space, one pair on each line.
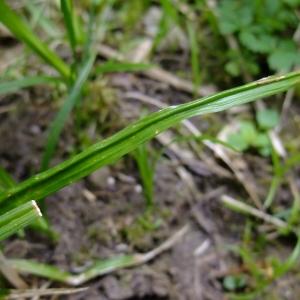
[6,180]
[99,267]
[128,139]
[68,13]
[18,218]
[21,31]
[115,66]
[59,121]
[194,55]
[15,85]
[146,171]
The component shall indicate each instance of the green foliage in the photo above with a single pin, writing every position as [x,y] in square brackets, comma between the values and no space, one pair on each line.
[22,31]
[234,283]
[194,46]
[6,180]
[267,119]
[67,9]
[16,219]
[17,84]
[261,272]
[112,66]
[260,28]
[146,170]
[250,136]
[60,119]
[99,267]
[128,139]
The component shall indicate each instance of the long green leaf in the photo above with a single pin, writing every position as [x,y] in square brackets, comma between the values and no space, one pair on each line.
[21,30]
[15,85]
[123,142]
[18,218]
[61,117]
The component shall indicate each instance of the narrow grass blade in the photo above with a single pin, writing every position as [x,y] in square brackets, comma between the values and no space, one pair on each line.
[276,180]
[20,29]
[15,85]
[61,117]
[100,267]
[18,218]
[290,262]
[194,55]
[115,66]
[39,269]
[146,171]
[69,19]
[6,180]
[128,139]
[39,18]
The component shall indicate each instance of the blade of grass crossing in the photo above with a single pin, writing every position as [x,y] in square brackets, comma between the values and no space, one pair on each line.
[22,31]
[128,139]
[18,218]
[61,117]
